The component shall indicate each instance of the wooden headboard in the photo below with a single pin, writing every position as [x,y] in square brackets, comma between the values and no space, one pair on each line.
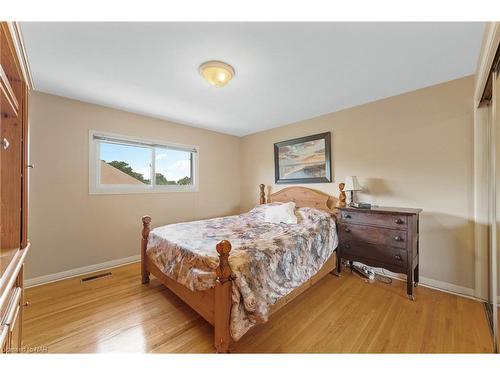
[302,196]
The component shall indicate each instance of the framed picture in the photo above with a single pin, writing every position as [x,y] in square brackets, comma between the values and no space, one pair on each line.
[303,160]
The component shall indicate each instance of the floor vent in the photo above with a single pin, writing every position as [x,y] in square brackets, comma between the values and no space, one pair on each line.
[96,277]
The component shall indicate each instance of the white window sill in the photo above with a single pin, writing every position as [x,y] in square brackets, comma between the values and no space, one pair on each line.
[142,190]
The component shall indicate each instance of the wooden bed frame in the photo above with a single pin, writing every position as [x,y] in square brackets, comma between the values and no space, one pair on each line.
[214,304]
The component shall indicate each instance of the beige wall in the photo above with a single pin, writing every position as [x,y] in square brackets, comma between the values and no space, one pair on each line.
[412,150]
[70,228]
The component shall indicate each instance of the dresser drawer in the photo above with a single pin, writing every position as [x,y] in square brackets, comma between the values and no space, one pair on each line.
[376,219]
[377,253]
[9,322]
[4,334]
[380,236]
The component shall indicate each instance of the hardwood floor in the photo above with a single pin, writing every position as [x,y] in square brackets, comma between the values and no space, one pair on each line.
[337,315]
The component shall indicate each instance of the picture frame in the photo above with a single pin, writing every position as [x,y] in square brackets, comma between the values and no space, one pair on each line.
[303,160]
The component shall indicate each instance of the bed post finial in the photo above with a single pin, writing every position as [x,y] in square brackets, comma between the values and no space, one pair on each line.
[146,227]
[342,196]
[262,194]
[224,272]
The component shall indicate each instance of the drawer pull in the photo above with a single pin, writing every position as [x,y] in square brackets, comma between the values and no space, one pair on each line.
[347,246]
[399,221]
[347,230]
[398,238]
[397,257]
[347,216]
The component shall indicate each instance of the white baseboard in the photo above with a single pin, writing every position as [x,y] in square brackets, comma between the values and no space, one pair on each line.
[442,286]
[447,287]
[433,284]
[80,271]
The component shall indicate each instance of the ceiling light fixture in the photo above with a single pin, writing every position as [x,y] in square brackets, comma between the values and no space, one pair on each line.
[217,73]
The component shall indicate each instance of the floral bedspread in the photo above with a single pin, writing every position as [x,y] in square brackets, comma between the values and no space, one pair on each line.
[269,260]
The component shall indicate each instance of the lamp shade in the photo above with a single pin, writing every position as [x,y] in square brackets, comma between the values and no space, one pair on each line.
[352,184]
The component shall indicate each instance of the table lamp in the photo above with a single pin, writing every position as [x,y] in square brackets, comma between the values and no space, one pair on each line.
[352,185]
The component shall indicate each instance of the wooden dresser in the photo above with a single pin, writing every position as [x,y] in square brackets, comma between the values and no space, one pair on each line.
[14,245]
[383,237]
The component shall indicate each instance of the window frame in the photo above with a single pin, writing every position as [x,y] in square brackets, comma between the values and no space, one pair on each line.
[96,188]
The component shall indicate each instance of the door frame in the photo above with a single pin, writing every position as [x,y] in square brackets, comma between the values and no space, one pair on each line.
[486,163]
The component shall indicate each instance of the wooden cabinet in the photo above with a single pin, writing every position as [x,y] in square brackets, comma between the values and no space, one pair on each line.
[14,85]
[381,237]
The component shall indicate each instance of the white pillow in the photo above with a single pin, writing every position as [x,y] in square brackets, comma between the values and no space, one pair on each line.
[283,213]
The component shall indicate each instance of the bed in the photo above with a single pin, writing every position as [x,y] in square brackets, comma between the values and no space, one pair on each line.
[236,271]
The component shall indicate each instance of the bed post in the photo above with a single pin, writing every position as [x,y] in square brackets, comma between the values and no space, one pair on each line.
[262,194]
[146,221]
[223,300]
[342,196]
[341,203]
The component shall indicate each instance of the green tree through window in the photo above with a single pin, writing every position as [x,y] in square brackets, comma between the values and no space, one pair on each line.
[160,178]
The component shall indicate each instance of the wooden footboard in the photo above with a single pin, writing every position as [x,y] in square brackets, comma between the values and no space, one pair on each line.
[200,301]
[214,305]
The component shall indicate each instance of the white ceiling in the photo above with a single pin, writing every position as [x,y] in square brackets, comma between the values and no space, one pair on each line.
[285,72]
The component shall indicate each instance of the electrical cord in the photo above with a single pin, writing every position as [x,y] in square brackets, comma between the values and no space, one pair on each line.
[380,274]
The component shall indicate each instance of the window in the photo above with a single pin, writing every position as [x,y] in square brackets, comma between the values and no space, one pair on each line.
[120,164]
